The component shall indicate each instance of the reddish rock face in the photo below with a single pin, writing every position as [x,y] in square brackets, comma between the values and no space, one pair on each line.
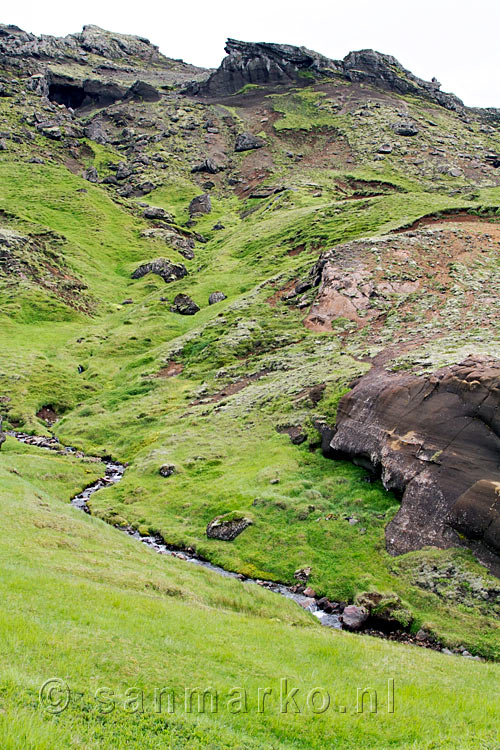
[436,441]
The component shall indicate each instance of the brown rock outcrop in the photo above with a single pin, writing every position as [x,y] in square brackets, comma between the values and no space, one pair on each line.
[435,440]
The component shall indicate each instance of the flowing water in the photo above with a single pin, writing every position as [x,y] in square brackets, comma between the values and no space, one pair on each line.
[113,473]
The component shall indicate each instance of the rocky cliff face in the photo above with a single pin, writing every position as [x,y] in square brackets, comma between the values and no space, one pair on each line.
[262,63]
[94,53]
[384,70]
[435,440]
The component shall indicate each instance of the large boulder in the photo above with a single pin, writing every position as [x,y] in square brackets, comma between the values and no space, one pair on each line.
[353,617]
[227,527]
[184,305]
[435,441]
[155,212]
[216,297]
[141,91]
[208,165]
[248,142]
[162,267]
[200,205]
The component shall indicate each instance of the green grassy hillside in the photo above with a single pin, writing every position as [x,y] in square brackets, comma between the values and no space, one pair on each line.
[96,609]
[218,395]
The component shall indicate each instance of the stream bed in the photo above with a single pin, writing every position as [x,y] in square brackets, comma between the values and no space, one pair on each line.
[113,473]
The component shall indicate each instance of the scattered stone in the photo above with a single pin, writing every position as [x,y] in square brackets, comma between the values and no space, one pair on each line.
[385,148]
[52,131]
[167,470]
[248,142]
[95,131]
[162,267]
[216,297]
[407,129]
[91,175]
[208,165]
[310,592]
[155,212]
[303,574]
[200,205]
[3,436]
[227,527]
[184,305]
[218,226]
[141,91]
[294,432]
[128,302]
[353,617]
[123,172]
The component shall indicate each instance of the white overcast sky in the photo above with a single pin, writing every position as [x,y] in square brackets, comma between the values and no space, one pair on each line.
[454,40]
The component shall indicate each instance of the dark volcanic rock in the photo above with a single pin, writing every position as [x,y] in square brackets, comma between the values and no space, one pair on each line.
[155,212]
[405,128]
[161,267]
[435,440]
[141,91]
[167,470]
[384,71]
[353,617]
[91,175]
[262,63]
[208,165]
[79,94]
[216,297]
[184,305]
[95,131]
[226,528]
[200,205]
[248,142]
[281,64]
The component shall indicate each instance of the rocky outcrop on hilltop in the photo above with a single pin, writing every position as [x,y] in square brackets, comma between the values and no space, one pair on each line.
[122,59]
[385,71]
[261,63]
[16,43]
[435,440]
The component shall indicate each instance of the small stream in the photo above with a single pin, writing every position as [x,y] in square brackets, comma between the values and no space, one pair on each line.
[114,472]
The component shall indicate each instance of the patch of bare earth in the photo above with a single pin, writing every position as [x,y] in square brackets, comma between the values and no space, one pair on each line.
[231,389]
[171,369]
[407,280]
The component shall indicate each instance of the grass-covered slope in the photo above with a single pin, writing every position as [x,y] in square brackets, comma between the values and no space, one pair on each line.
[218,395]
[96,609]
[245,369]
